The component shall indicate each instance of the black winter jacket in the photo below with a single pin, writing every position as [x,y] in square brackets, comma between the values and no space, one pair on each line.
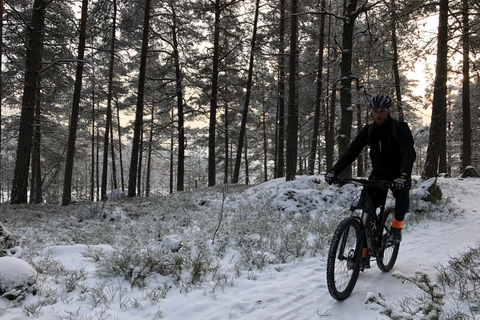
[392,153]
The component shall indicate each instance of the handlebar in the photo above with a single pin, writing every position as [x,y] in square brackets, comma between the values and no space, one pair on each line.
[384,184]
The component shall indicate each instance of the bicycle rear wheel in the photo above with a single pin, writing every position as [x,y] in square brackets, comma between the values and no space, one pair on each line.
[344,258]
[387,255]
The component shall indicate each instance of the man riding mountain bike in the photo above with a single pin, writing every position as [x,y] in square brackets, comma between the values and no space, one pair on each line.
[392,155]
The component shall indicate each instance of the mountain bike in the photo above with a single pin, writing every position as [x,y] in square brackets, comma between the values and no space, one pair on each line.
[366,229]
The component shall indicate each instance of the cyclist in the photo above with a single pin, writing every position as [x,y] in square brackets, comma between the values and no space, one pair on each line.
[392,155]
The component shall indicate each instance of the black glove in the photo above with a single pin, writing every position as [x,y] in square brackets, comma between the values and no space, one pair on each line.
[402,182]
[331,177]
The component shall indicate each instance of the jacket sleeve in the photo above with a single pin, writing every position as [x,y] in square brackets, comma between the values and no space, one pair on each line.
[353,150]
[407,148]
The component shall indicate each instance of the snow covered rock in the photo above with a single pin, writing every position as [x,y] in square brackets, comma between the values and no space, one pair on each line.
[171,243]
[470,172]
[428,191]
[16,277]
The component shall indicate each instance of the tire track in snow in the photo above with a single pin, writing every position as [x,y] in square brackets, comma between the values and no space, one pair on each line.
[423,247]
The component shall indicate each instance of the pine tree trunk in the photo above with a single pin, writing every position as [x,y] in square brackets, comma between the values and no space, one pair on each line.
[318,98]
[22,163]
[280,163]
[247,174]
[92,141]
[67,182]
[466,112]
[344,137]
[227,141]
[360,164]
[149,156]
[330,131]
[114,163]
[292,123]
[108,122]
[264,129]
[172,144]
[134,163]
[120,157]
[1,90]
[396,72]
[97,165]
[140,163]
[438,123]
[213,98]
[37,194]
[330,107]
[180,115]
[243,126]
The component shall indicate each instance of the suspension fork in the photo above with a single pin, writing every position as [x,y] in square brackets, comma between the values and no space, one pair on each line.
[343,243]
[341,253]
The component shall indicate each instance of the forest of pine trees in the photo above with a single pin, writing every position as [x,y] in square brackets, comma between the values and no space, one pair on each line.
[159,96]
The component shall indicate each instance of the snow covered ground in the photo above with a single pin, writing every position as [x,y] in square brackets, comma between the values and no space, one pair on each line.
[295,289]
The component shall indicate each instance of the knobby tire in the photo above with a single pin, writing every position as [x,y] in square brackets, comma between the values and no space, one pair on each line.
[387,256]
[344,258]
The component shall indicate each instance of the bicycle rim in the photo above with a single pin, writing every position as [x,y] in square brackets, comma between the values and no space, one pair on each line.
[344,258]
[388,254]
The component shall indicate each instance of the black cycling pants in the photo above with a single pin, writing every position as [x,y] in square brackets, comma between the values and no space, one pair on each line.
[402,200]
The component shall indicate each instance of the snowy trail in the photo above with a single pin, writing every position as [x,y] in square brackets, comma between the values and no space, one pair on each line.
[293,291]
[274,297]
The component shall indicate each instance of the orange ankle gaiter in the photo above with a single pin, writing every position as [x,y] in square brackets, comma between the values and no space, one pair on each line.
[397,224]
[364,253]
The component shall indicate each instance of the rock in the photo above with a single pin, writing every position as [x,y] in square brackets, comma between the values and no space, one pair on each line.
[16,277]
[470,172]
[171,243]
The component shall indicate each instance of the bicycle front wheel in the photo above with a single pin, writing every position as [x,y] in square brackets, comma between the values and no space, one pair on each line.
[387,255]
[344,258]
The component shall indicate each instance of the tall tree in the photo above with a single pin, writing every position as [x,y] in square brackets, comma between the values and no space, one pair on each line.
[20,177]
[330,129]
[108,122]
[292,123]
[214,96]
[226,171]
[172,145]
[466,112]
[179,94]
[36,184]
[396,71]
[149,156]
[120,157]
[439,107]
[93,164]
[114,163]
[318,98]
[1,95]
[360,162]
[330,106]
[351,14]
[248,91]
[281,95]
[134,163]
[265,141]
[72,136]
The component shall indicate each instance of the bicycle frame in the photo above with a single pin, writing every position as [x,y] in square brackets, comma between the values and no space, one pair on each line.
[369,218]
[366,229]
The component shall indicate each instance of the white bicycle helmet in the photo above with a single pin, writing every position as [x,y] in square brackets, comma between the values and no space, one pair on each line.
[380,101]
